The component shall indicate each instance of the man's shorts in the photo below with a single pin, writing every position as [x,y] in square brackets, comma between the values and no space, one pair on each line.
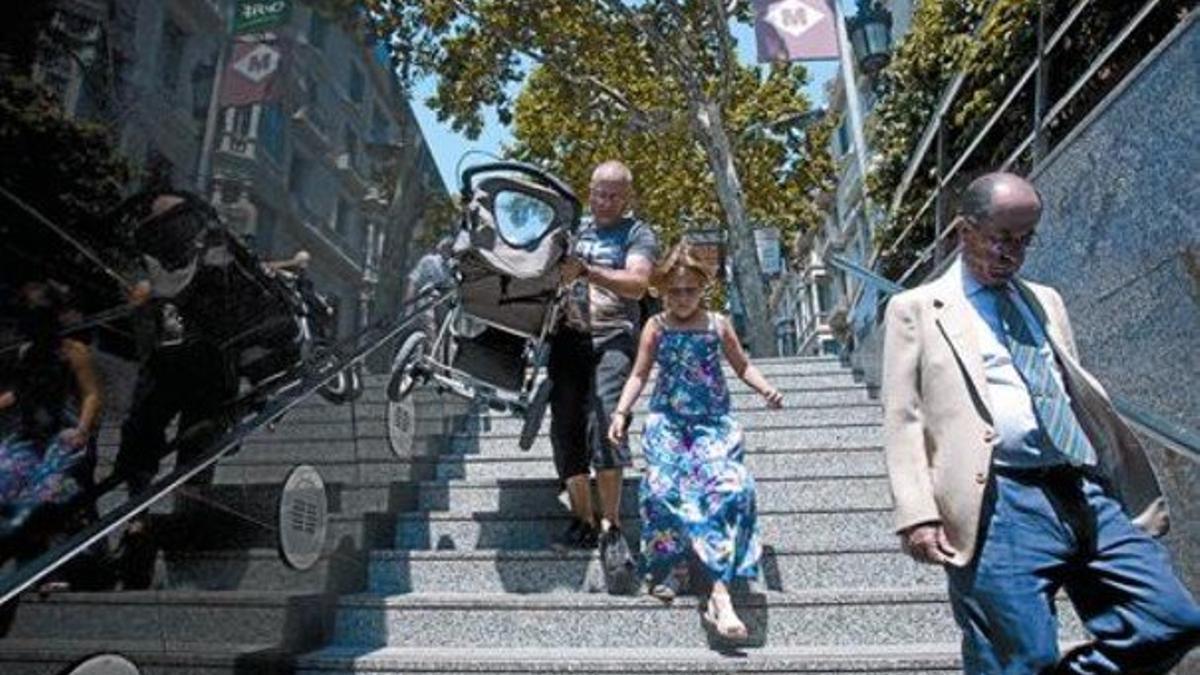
[587,381]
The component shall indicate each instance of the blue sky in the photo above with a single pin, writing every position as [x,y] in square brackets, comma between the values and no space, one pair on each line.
[448,146]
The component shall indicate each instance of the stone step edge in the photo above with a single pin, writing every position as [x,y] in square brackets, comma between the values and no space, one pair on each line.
[603,602]
[942,656]
[142,652]
[536,555]
[222,598]
[490,516]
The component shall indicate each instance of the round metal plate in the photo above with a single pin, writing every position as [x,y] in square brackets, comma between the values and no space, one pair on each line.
[402,426]
[104,664]
[303,511]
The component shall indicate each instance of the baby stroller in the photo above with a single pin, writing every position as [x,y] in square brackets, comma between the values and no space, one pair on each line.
[265,318]
[489,346]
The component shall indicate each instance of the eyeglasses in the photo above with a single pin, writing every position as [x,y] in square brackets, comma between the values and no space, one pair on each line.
[683,291]
[1004,243]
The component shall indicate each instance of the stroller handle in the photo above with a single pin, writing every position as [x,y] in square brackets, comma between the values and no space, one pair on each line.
[527,169]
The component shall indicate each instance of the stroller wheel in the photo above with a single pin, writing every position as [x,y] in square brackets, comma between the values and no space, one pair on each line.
[338,389]
[534,415]
[356,383]
[404,367]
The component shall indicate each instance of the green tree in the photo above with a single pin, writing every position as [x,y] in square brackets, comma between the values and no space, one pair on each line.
[656,83]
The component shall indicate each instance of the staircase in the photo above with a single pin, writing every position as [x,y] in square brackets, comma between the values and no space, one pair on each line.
[470,583]
[440,561]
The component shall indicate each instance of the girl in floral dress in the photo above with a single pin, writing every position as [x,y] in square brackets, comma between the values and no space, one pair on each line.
[696,495]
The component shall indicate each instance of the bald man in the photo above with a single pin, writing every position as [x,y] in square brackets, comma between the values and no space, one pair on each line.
[1010,468]
[590,358]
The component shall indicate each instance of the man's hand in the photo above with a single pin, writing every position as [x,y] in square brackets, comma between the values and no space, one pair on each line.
[74,438]
[927,543]
[7,398]
[572,268]
[139,294]
[618,427]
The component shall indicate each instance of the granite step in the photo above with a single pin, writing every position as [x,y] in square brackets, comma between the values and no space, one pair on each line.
[341,571]
[498,571]
[756,417]
[929,659]
[541,496]
[793,399]
[853,459]
[797,437]
[842,617]
[375,391]
[818,530]
[151,656]
[178,616]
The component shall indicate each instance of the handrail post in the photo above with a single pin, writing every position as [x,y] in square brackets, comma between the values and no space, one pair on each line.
[939,210]
[1039,88]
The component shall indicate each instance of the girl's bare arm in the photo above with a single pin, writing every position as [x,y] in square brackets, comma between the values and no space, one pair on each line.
[80,359]
[647,350]
[741,363]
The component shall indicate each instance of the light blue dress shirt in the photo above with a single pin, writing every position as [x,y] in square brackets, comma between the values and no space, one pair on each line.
[1021,442]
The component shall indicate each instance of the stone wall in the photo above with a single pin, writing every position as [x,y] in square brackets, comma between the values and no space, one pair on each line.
[1120,239]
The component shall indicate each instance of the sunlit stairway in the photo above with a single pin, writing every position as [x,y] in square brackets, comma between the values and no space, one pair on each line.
[471,584]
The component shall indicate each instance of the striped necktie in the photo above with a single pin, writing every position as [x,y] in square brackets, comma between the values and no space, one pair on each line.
[1049,400]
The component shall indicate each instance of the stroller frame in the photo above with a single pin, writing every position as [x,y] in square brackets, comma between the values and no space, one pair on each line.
[466,366]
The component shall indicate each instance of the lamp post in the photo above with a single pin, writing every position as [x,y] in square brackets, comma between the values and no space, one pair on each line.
[871,36]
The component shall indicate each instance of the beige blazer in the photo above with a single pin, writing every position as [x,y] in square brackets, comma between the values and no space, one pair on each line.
[938,420]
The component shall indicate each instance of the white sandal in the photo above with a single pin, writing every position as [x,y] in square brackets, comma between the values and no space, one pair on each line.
[725,622]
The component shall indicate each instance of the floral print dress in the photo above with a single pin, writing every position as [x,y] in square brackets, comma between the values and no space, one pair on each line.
[36,467]
[695,493]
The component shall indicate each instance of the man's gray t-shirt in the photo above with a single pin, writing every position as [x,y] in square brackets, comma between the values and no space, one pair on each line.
[596,310]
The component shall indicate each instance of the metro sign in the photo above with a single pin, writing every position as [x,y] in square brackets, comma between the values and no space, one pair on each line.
[794,17]
[259,63]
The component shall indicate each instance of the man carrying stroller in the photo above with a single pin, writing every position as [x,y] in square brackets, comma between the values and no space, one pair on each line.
[182,374]
[590,357]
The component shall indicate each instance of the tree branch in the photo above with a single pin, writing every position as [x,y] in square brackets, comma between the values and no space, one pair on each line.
[728,59]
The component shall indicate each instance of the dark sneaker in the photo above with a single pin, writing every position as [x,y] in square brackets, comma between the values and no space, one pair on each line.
[579,535]
[619,568]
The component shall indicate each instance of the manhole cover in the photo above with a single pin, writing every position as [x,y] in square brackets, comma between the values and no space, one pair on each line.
[402,426]
[104,664]
[303,510]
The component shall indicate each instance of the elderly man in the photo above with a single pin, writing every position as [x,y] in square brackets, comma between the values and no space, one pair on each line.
[591,356]
[1009,466]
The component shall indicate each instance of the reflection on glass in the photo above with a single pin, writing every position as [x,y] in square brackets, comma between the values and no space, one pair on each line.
[521,218]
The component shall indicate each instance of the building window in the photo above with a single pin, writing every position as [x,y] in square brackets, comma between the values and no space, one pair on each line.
[843,137]
[356,84]
[298,179]
[342,218]
[824,296]
[350,144]
[271,130]
[170,56]
[318,30]
[379,127]
[241,122]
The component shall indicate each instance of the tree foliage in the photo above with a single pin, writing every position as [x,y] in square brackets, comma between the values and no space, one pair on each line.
[941,43]
[66,169]
[656,83]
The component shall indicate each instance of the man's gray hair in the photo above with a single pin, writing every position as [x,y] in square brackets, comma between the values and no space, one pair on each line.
[977,200]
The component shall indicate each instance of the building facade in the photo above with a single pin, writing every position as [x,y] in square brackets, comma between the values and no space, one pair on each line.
[819,295]
[314,148]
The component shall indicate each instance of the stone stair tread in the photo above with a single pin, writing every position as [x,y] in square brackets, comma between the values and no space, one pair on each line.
[58,647]
[600,601]
[490,555]
[242,597]
[939,656]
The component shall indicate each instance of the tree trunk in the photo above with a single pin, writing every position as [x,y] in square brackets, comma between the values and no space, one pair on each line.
[710,131]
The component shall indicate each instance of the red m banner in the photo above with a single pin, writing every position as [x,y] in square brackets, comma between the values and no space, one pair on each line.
[795,30]
[253,73]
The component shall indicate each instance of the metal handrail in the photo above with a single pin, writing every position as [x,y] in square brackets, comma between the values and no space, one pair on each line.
[1162,430]
[1041,122]
[374,337]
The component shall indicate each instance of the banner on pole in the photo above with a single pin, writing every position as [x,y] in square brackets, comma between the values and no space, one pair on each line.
[256,16]
[766,240]
[795,30]
[252,74]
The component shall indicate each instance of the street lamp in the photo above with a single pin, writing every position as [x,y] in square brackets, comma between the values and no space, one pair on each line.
[871,35]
